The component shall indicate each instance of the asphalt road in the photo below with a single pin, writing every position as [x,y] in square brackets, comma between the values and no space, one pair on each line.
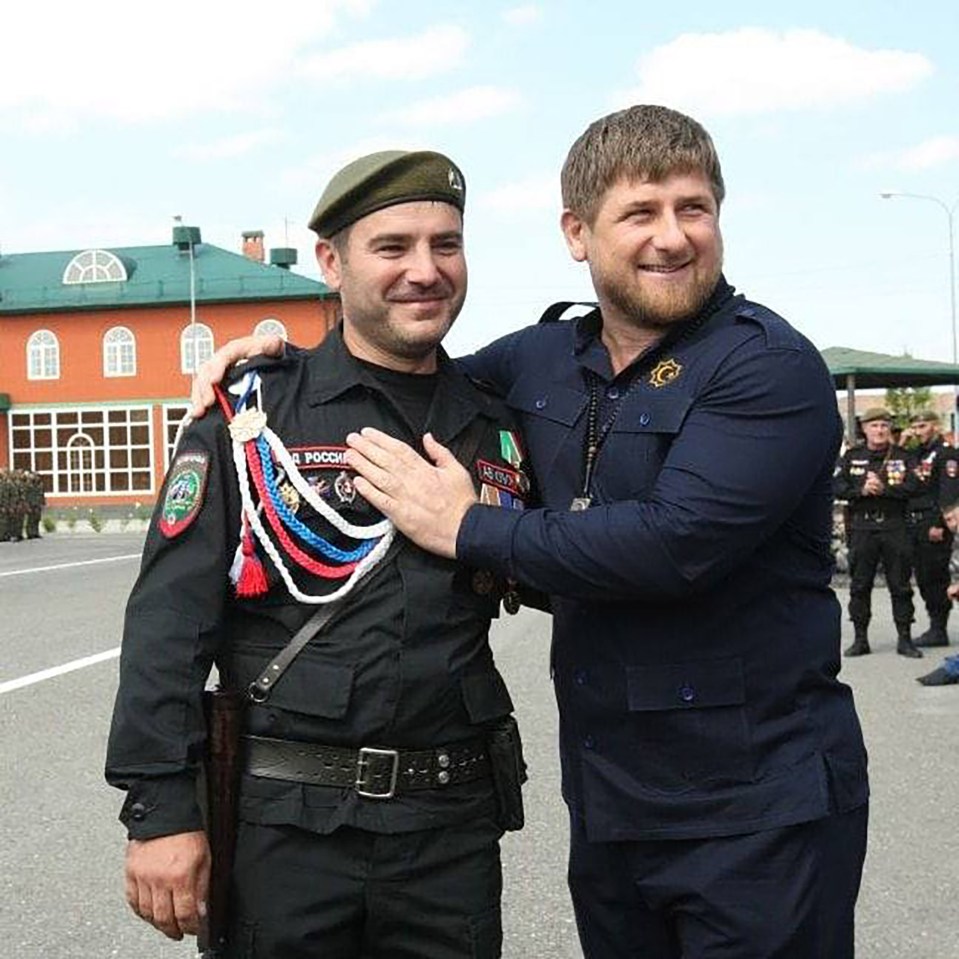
[61,854]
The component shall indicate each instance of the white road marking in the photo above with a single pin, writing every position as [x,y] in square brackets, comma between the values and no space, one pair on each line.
[55,671]
[85,562]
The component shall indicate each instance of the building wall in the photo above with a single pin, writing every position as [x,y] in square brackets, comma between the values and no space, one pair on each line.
[86,430]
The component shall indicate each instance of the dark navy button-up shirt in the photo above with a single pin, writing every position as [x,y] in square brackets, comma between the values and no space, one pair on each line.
[696,587]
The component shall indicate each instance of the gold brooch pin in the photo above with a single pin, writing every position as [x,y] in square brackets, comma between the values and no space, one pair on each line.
[665,371]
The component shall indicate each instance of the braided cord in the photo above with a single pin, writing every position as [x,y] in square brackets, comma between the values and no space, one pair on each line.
[297,526]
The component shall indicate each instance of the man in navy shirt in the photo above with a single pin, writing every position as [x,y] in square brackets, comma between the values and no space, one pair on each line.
[684,439]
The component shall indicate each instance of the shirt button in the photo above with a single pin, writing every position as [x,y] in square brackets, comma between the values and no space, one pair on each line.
[580,677]
[138,812]
[613,392]
[541,403]
[686,693]
[589,742]
[644,419]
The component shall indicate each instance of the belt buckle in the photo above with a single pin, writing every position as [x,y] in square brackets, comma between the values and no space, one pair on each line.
[363,759]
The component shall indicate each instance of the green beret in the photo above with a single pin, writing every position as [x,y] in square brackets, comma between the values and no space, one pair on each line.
[926,416]
[379,180]
[875,413]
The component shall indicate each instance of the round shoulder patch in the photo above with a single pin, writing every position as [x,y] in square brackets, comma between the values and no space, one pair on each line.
[186,487]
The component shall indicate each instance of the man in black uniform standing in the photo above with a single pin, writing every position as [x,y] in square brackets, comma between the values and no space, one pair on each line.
[937,467]
[369,821]
[876,479]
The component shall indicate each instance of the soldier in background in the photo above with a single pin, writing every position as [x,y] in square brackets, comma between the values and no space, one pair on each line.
[947,672]
[35,500]
[876,479]
[6,498]
[12,505]
[937,469]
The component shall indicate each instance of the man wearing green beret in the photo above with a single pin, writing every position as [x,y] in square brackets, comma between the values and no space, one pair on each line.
[380,760]
[937,468]
[876,479]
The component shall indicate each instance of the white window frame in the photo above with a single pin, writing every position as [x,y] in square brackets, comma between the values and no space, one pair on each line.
[195,338]
[173,416]
[95,266]
[119,352]
[270,325]
[79,465]
[43,356]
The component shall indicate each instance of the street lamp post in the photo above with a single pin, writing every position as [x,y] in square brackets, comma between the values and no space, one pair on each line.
[950,212]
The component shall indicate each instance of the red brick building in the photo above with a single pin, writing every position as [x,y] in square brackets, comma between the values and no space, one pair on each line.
[98,346]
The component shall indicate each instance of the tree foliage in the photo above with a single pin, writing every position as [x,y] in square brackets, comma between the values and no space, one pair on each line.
[904,403]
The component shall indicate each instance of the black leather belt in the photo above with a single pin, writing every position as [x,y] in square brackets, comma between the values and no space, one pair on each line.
[372,771]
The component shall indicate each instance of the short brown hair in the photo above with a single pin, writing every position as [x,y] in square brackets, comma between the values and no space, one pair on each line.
[644,142]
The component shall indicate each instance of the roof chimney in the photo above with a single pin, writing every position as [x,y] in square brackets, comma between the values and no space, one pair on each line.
[283,256]
[253,245]
[185,236]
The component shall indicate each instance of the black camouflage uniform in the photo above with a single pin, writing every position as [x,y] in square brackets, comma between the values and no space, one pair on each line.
[937,468]
[402,684]
[876,527]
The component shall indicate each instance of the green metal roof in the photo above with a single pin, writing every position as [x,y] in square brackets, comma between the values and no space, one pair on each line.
[882,371]
[157,276]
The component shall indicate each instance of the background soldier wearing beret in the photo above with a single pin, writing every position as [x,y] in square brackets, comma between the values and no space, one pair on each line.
[373,793]
[35,499]
[876,479]
[937,469]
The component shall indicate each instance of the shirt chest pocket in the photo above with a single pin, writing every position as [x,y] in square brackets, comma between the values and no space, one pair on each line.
[548,413]
[638,444]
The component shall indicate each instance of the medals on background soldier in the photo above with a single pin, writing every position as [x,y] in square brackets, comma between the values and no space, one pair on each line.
[895,472]
[265,467]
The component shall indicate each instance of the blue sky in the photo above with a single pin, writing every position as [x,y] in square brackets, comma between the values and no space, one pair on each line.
[233,115]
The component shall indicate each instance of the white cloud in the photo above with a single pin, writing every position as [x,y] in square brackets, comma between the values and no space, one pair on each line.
[933,152]
[533,193]
[752,70]
[65,62]
[464,106]
[522,15]
[434,51]
[228,147]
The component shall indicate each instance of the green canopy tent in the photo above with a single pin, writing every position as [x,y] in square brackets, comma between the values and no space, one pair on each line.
[859,369]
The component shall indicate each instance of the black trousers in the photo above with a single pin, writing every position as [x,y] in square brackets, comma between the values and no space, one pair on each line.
[866,548]
[354,894]
[930,562]
[778,894]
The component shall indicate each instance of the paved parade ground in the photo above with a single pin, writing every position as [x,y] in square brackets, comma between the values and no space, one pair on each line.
[61,607]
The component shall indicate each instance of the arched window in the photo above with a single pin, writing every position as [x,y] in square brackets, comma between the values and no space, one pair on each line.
[95,266]
[43,356]
[270,327]
[119,352]
[196,346]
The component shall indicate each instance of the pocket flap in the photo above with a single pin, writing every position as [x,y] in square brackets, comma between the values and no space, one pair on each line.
[714,682]
[646,413]
[485,696]
[549,400]
[314,688]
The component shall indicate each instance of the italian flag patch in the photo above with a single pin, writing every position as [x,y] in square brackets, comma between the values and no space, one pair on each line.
[186,486]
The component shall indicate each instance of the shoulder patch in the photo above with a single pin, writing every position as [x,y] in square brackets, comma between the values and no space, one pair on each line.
[186,487]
